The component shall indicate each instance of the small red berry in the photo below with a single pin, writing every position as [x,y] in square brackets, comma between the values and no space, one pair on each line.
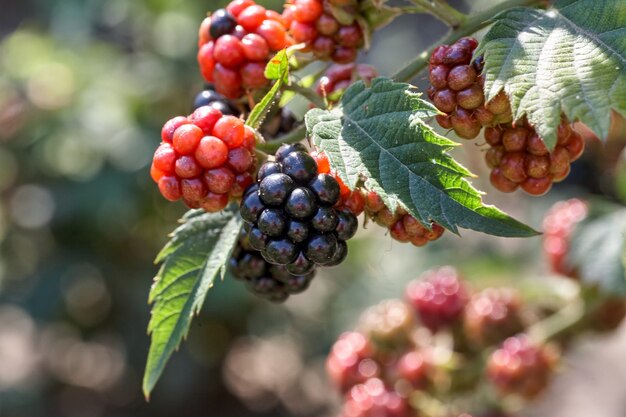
[167,133]
[274,33]
[255,47]
[205,118]
[165,158]
[214,202]
[187,167]
[212,152]
[240,159]
[170,188]
[252,17]
[186,139]
[229,51]
[219,180]
[230,130]
[307,11]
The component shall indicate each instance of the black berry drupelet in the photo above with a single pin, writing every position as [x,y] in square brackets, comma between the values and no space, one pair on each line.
[291,216]
[210,97]
[273,282]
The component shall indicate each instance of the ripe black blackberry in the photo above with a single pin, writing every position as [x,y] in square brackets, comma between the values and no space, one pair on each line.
[290,213]
[272,282]
[210,97]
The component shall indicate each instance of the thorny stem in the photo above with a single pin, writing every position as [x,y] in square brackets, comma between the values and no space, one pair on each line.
[441,10]
[470,25]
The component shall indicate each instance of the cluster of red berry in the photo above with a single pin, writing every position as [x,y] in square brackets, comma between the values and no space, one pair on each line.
[558,227]
[206,159]
[339,77]
[313,23]
[518,157]
[380,367]
[236,44]
[402,226]
[457,90]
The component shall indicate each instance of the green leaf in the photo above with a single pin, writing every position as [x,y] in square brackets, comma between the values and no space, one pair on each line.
[380,132]
[277,69]
[197,253]
[597,252]
[568,59]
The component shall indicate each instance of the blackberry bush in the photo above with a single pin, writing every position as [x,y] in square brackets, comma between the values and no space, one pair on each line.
[376,152]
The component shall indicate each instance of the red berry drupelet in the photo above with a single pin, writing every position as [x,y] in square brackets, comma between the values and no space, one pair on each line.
[558,226]
[272,282]
[519,158]
[291,216]
[206,159]
[439,298]
[520,367]
[492,316]
[235,45]
[456,89]
[312,22]
[339,77]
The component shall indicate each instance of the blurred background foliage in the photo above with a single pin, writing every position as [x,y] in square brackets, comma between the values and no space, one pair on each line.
[85,86]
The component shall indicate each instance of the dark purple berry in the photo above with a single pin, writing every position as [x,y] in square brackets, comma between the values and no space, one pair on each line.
[272,222]
[300,166]
[222,23]
[325,220]
[321,248]
[301,203]
[280,252]
[275,188]
[326,189]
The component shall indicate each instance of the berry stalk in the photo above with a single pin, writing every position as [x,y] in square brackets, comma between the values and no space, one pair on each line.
[471,25]
[441,10]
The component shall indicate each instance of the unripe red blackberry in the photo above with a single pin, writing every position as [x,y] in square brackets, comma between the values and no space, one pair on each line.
[457,90]
[236,43]
[519,158]
[350,361]
[438,297]
[558,226]
[520,367]
[312,22]
[402,226]
[273,282]
[205,159]
[493,315]
[339,77]
[374,399]
[388,324]
[291,215]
